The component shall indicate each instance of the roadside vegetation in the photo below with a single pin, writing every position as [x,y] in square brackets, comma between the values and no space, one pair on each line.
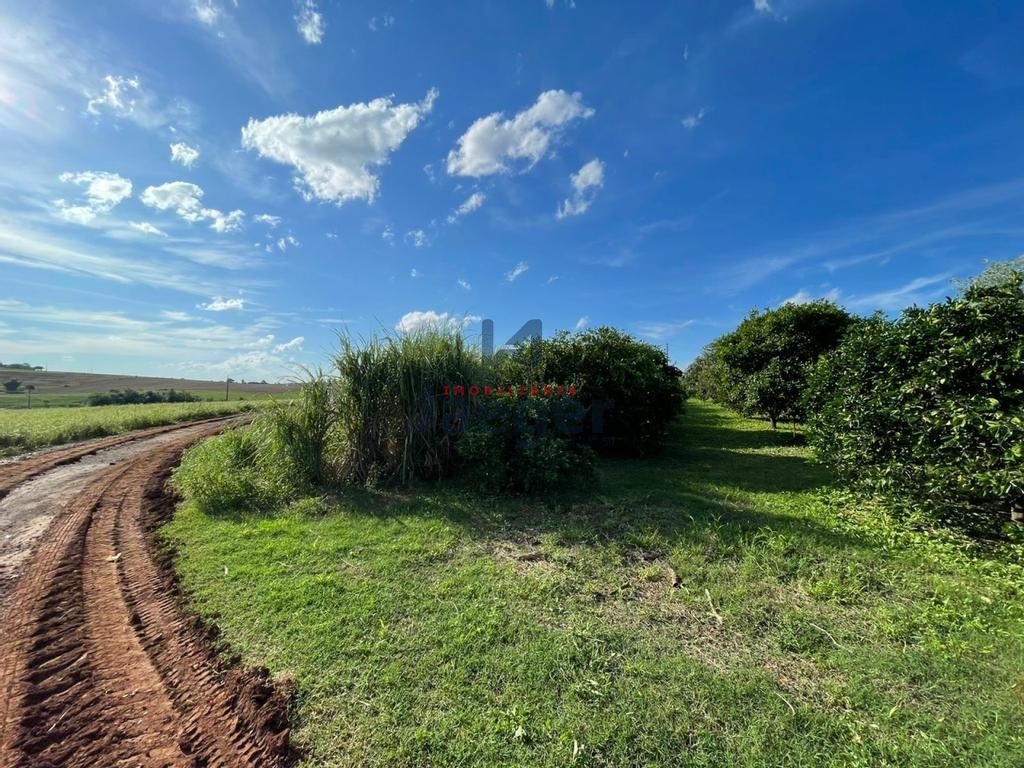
[714,605]
[26,430]
[581,570]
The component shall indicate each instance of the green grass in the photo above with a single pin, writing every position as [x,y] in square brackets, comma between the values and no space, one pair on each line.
[719,605]
[24,430]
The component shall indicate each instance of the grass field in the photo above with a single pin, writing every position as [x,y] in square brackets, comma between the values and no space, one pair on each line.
[24,430]
[715,606]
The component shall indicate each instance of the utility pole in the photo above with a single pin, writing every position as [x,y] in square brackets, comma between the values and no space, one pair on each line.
[227,381]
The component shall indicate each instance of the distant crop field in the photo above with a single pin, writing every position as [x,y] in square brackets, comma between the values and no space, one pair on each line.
[25,430]
[60,389]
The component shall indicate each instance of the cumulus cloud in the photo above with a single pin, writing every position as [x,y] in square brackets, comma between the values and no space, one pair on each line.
[185,199]
[266,218]
[494,144]
[147,228]
[295,345]
[334,152]
[103,191]
[472,203]
[220,304]
[585,183]
[417,321]
[418,238]
[184,154]
[516,271]
[310,23]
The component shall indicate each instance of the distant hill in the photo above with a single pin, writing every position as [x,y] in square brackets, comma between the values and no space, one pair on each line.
[66,388]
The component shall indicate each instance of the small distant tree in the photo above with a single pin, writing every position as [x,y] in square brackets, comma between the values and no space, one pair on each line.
[29,389]
[12,386]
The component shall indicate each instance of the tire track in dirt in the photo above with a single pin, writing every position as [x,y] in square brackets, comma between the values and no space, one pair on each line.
[14,473]
[99,666]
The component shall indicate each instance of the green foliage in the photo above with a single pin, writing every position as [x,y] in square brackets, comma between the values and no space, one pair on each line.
[131,397]
[305,426]
[236,471]
[11,386]
[396,420]
[928,411]
[629,389]
[761,368]
[520,444]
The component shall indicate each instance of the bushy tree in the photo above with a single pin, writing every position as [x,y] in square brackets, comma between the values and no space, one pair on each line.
[761,368]
[11,386]
[630,390]
[928,410]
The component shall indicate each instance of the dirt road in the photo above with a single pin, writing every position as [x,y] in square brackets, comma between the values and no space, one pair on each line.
[99,666]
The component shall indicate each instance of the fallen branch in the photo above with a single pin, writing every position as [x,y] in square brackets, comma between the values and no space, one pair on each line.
[714,611]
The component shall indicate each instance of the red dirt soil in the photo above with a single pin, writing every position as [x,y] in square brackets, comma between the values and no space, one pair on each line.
[99,664]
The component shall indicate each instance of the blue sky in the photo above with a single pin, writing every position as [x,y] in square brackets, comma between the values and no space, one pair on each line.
[214,187]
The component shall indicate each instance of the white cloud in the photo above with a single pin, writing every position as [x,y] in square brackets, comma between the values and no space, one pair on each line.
[147,228]
[472,203]
[119,95]
[266,218]
[583,322]
[418,238]
[178,317]
[206,12]
[185,199]
[516,271]
[919,291]
[388,235]
[692,121]
[412,322]
[103,191]
[310,23]
[763,6]
[334,152]
[492,143]
[283,243]
[663,330]
[184,154]
[413,273]
[295,345]
[551,279]
[219,304]
[464,285]
[805,297]
[585,183]
[385,21]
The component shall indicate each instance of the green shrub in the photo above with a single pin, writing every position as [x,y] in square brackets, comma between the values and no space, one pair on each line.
[232,472]
[928,411]
[522,444]
[629,389]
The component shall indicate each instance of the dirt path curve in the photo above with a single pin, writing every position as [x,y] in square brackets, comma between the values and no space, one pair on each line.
[98,665]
